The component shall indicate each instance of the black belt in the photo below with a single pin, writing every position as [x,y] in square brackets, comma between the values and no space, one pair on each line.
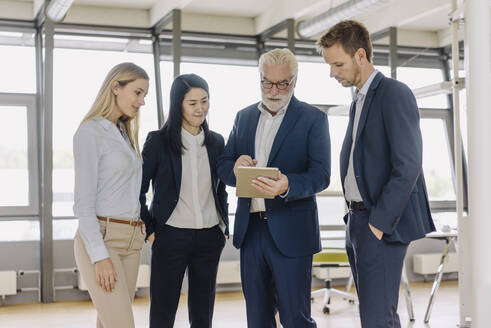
[258,215]
[356,206]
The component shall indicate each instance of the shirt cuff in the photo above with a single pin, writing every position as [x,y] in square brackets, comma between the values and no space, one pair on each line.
[98,253]
[283,195]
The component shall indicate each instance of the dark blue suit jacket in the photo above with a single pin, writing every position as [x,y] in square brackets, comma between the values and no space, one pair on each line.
[301,150]
[387,161]
[164,169]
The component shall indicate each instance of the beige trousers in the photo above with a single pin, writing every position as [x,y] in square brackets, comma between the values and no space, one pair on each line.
[124,243]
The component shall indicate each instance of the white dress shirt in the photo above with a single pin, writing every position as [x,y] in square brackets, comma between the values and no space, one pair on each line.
[267,128]
[196,207]
[352,193]
[108,176]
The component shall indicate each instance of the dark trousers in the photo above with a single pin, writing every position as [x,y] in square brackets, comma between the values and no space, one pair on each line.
[377,268]
[174,251]
[273,281]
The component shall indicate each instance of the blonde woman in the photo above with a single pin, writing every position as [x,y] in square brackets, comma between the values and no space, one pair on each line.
[108,174]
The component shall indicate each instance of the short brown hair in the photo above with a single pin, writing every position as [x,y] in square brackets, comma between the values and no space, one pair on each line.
[350,34]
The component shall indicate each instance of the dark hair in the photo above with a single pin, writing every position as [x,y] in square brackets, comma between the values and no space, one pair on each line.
[351,35]
[172,127]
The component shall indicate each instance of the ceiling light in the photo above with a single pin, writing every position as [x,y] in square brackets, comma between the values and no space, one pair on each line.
[347,10]
[57,9]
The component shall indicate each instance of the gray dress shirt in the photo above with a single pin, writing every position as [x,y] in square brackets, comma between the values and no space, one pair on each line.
[351,191]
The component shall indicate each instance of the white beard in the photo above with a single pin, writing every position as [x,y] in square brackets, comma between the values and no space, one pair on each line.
[275,106]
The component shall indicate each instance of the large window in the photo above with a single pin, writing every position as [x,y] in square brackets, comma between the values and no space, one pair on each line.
[18,69]
[19,175]
[421,77]
[19,230]
[437,160]
[315,86]
[415,77]
[18,156]
[14,173]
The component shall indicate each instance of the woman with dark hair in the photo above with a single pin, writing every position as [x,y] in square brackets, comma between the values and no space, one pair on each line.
[188,216]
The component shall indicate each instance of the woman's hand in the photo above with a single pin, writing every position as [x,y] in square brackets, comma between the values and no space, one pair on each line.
[105,274]
[151,238]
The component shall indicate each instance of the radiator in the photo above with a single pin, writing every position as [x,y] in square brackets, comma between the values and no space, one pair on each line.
[8,283]
[428,263]
[228,272]
[143,279]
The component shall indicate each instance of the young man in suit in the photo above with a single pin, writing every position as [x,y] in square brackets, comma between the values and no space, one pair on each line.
[381,171]
[277,237]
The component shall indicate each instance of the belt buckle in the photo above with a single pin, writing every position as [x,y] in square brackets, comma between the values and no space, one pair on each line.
[352,207]
[357,206]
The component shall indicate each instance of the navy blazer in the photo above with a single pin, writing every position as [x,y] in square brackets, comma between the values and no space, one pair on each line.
[164,169]
[301,150]
[387,161]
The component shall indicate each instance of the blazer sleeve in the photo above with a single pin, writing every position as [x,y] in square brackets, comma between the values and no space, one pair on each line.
[226,162]
[150,155]
[317,176]
[221,190]
[401,122]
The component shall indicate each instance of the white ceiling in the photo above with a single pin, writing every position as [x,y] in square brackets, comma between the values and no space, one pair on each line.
[236,8]
[247,8]
[419,21]
[141,4]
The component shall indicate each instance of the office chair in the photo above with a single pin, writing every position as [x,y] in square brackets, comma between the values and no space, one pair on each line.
[332,258]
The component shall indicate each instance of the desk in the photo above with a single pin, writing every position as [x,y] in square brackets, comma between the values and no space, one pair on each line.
[448,237]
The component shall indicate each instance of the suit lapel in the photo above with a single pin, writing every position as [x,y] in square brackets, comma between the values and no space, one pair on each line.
[347,143]
[366,105]
[176,162]
[289,121]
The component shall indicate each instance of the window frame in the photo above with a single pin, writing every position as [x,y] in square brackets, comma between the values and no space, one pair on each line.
[29,102]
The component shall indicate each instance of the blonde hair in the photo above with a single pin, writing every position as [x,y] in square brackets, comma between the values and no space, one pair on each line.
[279,57]
[105,102]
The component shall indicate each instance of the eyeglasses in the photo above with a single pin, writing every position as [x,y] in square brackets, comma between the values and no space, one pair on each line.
[279,85]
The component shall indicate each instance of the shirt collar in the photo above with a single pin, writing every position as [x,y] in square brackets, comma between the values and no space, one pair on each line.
[106,124]
[364,89]
[189,139]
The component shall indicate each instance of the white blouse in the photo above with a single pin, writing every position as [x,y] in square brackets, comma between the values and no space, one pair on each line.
[108,175]
[196,206]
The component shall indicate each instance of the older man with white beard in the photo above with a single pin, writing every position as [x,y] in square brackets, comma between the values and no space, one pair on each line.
[278,237]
